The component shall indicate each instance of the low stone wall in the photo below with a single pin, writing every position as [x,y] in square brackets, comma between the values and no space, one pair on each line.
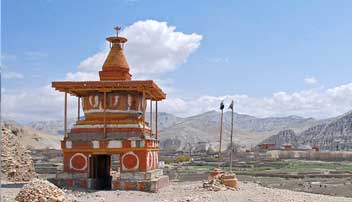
[300,175]
[310,155]
[71,180]
[150,181]
[141,185]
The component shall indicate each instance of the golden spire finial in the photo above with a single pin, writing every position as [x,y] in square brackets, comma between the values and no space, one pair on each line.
[115,66]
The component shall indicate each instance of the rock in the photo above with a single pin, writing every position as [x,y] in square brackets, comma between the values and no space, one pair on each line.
[16,161]
[218,180]
[60,198]
[230,183]
[42,199]
[52,199]
[41,191]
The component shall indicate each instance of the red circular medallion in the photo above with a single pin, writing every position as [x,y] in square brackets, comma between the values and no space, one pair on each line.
[130,161]
[78,162]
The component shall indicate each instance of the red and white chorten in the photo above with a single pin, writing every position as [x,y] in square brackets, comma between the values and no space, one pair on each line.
[113,126]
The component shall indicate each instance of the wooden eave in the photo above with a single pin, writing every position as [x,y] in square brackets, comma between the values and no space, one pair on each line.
[82,88]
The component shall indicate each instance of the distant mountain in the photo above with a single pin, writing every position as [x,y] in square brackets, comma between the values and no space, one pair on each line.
[249,123]
[272,124]
[165,120]
[283,137]
[332,134]
[31,138]
[178,133]
[248,130]
[202,128]
[335,135]
[52,127]
[57,127]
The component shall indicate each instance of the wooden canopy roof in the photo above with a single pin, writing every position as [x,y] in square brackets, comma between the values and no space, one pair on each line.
[82,88]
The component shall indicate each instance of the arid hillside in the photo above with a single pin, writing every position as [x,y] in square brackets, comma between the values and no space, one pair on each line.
[332,135]
[32,138]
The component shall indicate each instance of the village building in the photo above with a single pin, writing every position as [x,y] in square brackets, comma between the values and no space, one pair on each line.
[113,127]
[267,146]
[202,147]
[287,146]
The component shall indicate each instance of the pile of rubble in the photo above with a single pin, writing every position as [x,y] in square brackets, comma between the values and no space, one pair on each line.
[40,191]
[219,180]
[16,161]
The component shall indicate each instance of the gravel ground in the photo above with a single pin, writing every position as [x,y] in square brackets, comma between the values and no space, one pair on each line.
[9,190]
[192,192]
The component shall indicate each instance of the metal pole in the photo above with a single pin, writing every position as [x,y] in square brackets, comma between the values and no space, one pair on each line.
[65,117]
[144,106]
[222,112]
[231,149]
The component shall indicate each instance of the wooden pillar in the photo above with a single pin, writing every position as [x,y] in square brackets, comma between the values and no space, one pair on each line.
[156,119]
[151,117]
[104,100]
[143,110]
[79,108]
[65,117]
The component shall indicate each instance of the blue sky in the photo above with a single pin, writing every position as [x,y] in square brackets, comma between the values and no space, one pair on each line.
[261,53]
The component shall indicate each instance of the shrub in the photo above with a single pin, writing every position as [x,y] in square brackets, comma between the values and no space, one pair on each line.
[183,158]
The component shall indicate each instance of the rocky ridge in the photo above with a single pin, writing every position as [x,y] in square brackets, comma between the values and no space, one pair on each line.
[16,161]
[248,130]
[332,135]
[32,138]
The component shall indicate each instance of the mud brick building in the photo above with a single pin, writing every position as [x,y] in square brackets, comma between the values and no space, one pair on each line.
[113,125]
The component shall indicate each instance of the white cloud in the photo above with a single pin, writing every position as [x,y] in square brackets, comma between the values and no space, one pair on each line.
[318,103]
[82,76]
[12,75]
[153,48]
[95,62]
[311,80]
[47,104]
[174,106]
[36,104]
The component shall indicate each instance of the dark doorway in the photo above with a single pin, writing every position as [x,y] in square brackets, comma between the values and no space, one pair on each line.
[100,170]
